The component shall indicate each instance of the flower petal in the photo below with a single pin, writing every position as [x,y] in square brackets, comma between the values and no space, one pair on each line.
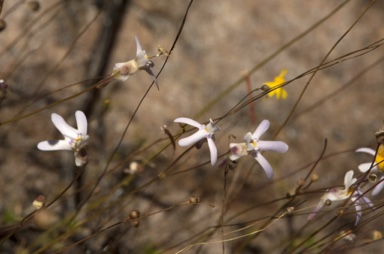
[138,46]
[248,138]
[349,180]
[261,129]
[54,145]
[81,121]
[378,187]
[276,146]
[141,61]
[188,121]
[265,165]
[149,71]
[63,127]
[366,150]
[213,150]
[364,167]
[193,138]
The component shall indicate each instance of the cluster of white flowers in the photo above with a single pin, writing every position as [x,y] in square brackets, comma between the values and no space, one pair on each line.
[339,193]
[351,190]
[77,139]
[253,145]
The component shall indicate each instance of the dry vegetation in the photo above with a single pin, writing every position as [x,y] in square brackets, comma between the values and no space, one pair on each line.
[53,54]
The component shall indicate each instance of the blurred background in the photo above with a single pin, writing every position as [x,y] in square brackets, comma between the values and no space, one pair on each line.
[51,50]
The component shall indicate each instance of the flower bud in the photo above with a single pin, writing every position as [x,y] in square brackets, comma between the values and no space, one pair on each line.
[194,200]
[314,177]
[39,202]
[135,214]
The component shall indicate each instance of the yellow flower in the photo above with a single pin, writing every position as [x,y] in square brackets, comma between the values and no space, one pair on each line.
[280,92]
[380,158]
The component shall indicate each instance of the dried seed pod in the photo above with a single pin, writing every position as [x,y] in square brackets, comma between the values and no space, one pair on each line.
[265,88]
[377,235]
[34,5]
[165,129]
[380,136]
[372,178]
[314,177]
[290,210]
[194,200]
[134,167]
[135,214]
[135,223]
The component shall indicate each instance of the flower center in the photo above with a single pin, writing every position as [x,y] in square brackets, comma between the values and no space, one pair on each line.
[78,142]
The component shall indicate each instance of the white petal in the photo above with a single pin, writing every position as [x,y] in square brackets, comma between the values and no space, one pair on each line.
[261,129]
[118,66]
[234,157]
[366,150]
[349,180]
[188,121]
[378,187]
[63,127]
[213,150]
[193,138]
[265,165]
[81,158]
[141,60]
[364,167]
[248,138]
[276,146]
[81,121]
[138,46]
[54,145]
[336,194]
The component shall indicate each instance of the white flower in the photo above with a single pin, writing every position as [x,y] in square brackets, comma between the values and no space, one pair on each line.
[378,166]
[338,193]
[124,70]
[205,131]
[253,145]
[74,139]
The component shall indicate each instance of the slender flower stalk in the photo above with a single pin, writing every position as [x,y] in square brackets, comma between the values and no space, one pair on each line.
[253,145]
[205,131]
[74,139]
